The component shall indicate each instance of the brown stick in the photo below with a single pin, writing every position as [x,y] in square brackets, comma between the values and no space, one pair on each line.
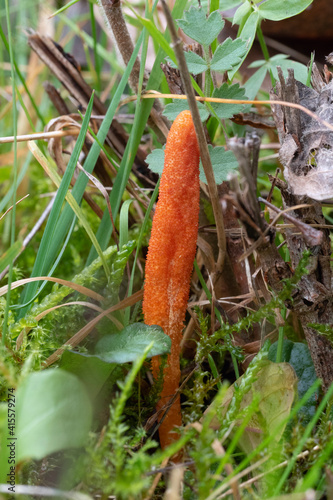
[114,15]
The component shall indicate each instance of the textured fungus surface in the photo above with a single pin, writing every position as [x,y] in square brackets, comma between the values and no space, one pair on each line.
[171,254]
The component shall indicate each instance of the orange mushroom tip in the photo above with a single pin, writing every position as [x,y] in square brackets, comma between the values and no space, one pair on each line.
[171,253]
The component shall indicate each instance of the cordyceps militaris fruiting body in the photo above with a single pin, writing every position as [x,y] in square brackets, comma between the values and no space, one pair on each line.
[170,257]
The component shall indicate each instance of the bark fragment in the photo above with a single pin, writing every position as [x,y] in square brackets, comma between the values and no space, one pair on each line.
[301,138]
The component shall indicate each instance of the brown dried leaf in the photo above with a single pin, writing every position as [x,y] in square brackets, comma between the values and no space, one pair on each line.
[307,150]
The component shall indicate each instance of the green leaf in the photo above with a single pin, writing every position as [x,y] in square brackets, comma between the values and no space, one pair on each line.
[242,11]
[273,60]
[277,57]
[223,162]
[228,4]
[197,26]
[259,63]
[253,84]
[195,63]
[228,54]
[53,413]
[123,223]
[249,29]
[247,34]
[92,371]
[129,344]
[274,389]
[173,109]
[282,9]
[155,160]
[224,111]
[298,355]
[300,70]
[221,4]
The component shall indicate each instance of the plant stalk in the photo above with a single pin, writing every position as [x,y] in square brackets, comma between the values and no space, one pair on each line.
[114,15]
[264,49]
[204,153]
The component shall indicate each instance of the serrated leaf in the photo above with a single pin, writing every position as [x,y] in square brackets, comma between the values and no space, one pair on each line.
[298,355]
[53,413]
[128,345]
[224,111]
[197,26]
[195,63]
[173,109]
[223,162]
[155,160]
[282,9]
[228,54]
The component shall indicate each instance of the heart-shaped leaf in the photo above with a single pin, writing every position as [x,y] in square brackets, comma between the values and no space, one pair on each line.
[53,413]
[128,344]
[202,29]
[298,355]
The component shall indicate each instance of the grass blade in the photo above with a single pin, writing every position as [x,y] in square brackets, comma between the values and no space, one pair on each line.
[56,179]
[14,176]
[47,242]
[66,217]
[123,223]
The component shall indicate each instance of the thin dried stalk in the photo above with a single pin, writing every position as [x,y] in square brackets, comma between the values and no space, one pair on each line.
[204,153]
[155,95]
[40,135]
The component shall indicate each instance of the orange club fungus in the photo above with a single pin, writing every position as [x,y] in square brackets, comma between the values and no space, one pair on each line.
[171,253]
